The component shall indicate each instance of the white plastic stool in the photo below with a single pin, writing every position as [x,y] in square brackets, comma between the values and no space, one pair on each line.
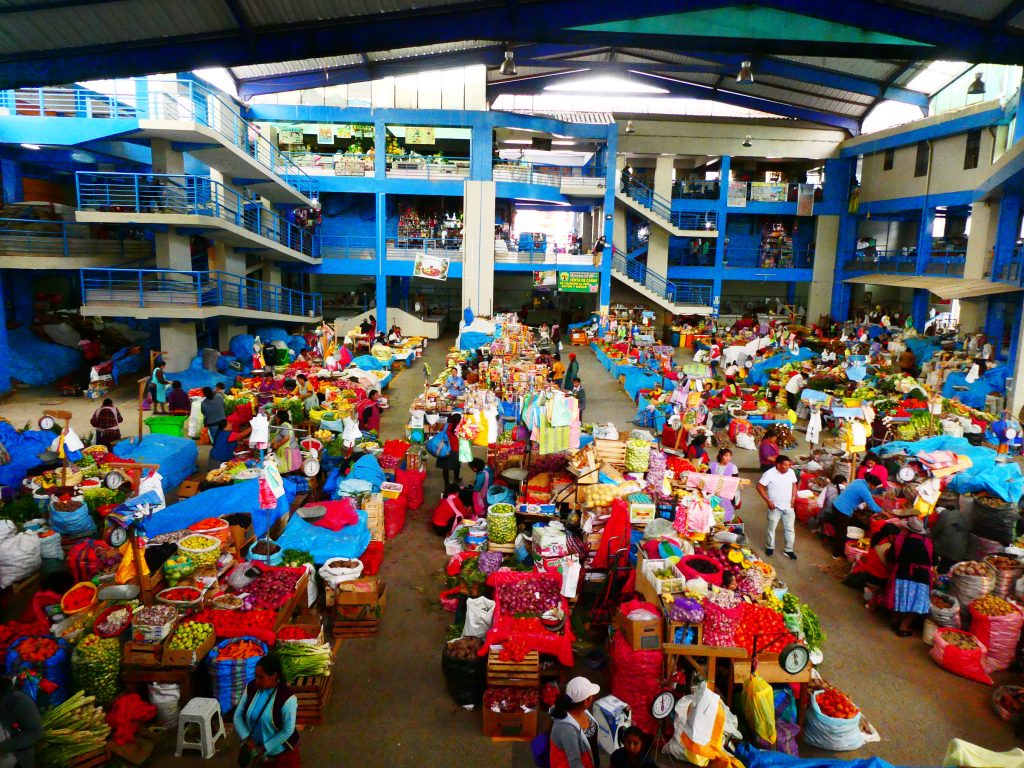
[204,713]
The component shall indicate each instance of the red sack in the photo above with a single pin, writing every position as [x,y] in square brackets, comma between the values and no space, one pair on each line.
[372,558]
[394,516]
[969,663]
[635,677]
[701,567]
[412,486]
[1000,635]
[340,514]
[84,560]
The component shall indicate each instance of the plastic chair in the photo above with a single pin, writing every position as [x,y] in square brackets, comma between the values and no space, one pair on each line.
[204,713]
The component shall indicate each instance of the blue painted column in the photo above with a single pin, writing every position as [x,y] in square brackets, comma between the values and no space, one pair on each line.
[609,215]
[380,149]
[995,322]
[382,280]
[20,289]
[1012,307]
[920,307]
[924,239]
[11,173]
[481,151]
[722,208]
[716,296]
[790,293]
[1006,232]
[5,349]
[141,97]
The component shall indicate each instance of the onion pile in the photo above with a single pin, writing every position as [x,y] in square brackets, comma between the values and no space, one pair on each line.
[528,597]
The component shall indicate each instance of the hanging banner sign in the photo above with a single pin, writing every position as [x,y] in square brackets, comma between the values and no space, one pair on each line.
[737,194]
[578,282]
[290,135]
[325,135]
[805,200]
[545,279]
[431,267]
[763,192]
[422,135]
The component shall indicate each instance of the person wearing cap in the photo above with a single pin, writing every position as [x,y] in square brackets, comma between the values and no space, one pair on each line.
[20,727]
[911,581]
[572,725]
[572,371]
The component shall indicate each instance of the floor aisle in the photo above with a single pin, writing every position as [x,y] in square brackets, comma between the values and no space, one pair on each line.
[390,709]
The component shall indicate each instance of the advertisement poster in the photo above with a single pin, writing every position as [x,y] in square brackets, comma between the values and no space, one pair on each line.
[805,200]
[763,192]
[578,282]
[290,135]
[547,279]
[431,267]
[423,135]
[737,194]
[325,135]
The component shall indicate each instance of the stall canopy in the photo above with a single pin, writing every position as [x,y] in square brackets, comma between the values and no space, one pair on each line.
[943,287]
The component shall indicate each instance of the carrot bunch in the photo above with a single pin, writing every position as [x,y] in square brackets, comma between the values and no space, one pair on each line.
[243,649]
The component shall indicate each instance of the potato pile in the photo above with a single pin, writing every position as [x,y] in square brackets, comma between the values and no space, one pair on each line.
[464,649]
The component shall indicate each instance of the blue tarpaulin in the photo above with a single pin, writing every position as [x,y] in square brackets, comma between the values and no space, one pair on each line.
[35,362]
[24,448]
[323,544]
[474,340]
[176,457]
[197,377]
[1002,479]
[369,363]
[974,396]
[125,361]
[243,497]
[923,348]
[757,758]
[271,333]
[760,372]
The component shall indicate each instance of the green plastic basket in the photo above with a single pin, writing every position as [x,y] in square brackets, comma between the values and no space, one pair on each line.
[167,425]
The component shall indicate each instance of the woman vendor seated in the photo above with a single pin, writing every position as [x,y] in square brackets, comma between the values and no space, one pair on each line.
[872,466]
[450,509]
[455,384]
[395,335]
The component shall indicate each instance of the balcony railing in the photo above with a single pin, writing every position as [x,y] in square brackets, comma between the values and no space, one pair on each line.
[348,247]
[172,289]
[776,192]
[543,257]
[430,168]
[334,164]
[695,190]
[192,195]
[174,100]
[550,175]
[755,258]
[901,261]
[676,293]
[948,262]
[40,237]
[645,197]
[407,249]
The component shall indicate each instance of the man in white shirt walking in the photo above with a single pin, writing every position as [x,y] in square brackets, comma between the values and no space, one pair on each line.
[777,487]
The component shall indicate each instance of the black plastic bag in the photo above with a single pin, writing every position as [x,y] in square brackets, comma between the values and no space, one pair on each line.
[465,680]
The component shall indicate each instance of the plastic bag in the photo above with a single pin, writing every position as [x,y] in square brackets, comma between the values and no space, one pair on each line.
[832,733]
[465,450]
[336,571]
[465,679]
[166,697]
[19,558]
[966,662]
[962,754]
[944,617]
[720,624]
[999,635]
[153,481]
[479,615]
[758,704]
[394,516]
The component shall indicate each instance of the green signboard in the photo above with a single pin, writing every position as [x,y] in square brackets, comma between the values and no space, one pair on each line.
[579,282]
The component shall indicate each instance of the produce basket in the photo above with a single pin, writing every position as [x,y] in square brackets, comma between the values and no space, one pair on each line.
[662,584]
[180,597]
[1008,571]
[204,550]
[153,625]
[501,523]
[213,526]
[80,597]
[1008,702]
[117,625]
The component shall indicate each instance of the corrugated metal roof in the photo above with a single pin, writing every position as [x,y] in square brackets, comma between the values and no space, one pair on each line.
[270,13]
[428,50]
[870,68]
[292,67]
[977,9]
[812,89]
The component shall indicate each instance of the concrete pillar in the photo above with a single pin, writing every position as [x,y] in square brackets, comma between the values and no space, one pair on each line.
[620,233]
[227,259]
[1015,397]
[5,350]
[826,248]
[979,261]
[587,231]
[664,169]
[657,252]
[178,342]
[227,331]
[478,267]
[271,271]
[722,208]
[481,150]
[924,239]
[165,158]
[173,250]
[380,149]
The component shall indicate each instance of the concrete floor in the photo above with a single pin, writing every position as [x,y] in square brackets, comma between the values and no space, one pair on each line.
[389,705]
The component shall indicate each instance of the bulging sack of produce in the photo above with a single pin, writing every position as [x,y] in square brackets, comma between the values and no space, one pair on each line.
[412,482]
[759,707]
[638,455]
[46,657]
[945,610]
[997,625]
[501,523]
[970,580]
[19,558]
[465,671]
[836,734]
[394,516]
[338,570]
[961,653]
[71,518]
[232,664]
[166,697]
[720,623]
[479,615]
[96,667]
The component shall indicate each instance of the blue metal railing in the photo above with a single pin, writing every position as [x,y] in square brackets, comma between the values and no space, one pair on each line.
[695,190]
[166,288]
[334,163]
[62,238]
[348,247]
[886,261]
[407,248]
[543,257]
[526,172]
[948,261]
[1012,271]
[645,197]
[431,168]
[195,195]
[676,293]
[148,99]
[754,258]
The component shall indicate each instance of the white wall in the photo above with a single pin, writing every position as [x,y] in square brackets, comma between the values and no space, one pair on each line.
[713,137]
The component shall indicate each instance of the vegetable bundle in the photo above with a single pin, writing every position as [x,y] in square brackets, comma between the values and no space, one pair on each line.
[300,659]
[70,730]
[95,667]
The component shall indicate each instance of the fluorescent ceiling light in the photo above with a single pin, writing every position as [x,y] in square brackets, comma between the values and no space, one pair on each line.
[604,85]
[562,143]
[31,146]
[518,141]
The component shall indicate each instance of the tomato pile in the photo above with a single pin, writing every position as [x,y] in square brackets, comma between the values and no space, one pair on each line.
[37,649]
[835,703]
[764,623]
[181,594]
[79,597]
[296,632]
[259,624]
[513,650]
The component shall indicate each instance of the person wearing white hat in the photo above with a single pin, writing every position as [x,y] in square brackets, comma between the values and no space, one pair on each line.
[912,553]
[573,726]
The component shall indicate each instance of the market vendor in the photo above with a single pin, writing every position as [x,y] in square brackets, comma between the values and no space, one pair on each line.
[859,492]
[449,510]
[178,400]
[106,421]
[20,725]
[572,371]
[285,445]
[557,369]
[455,384]
[394,335]
[214,418]
[369,413]
[794,387]
[876,567]
[910,585]
[265,718]
[306,392]
[483,483]
[828,355]
[950,533]
[908,362]
[572,726]
[870,465]
[158,387]
[768,450]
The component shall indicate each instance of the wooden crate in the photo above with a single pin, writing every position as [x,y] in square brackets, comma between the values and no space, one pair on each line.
[93,759]
[312,694]
[181,657]
[510,725]
[188,489]
[519,674]
[286,611]
[143,654]
[611,452]
[356,629]
[359,614]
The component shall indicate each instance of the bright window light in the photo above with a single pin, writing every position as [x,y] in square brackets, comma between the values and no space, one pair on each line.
[937,75]
[603,85]
[889,114]
[219,78]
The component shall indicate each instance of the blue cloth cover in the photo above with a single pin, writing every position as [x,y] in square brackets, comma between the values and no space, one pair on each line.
[474,340]
[126,362]
[24,448]
[1002,479]
[176,457]
[752,757]
[35,362]
[993,380]
[369,363]
[323,544]
[923,348]
[760,372]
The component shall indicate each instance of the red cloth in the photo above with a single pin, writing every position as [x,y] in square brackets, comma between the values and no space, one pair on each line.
[290,758]
[616,535]
[510,629]
[340,514]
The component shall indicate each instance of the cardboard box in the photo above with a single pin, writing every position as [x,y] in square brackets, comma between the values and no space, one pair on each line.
[641,512]
[363,600]
[641,635]
[510,725]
